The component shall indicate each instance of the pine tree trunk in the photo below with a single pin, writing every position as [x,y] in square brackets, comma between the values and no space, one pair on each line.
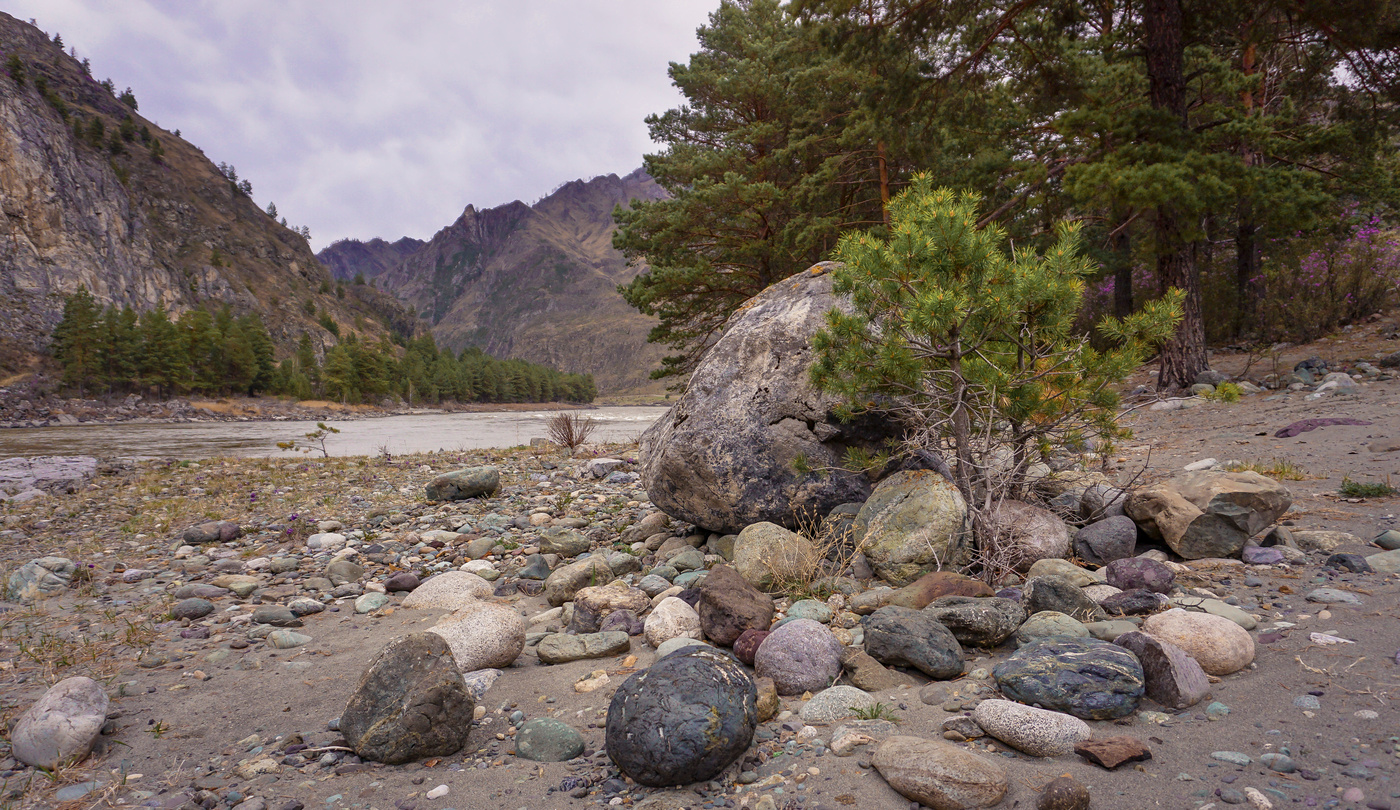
[1247,267]
[1184,356]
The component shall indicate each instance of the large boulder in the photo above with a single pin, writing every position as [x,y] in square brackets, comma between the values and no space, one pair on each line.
[752,439]
[410,703]
[767,555]
[1206,513]
[450,590]
[1026,534]
[683,720]
[62,725]
[914,522]
[729,605]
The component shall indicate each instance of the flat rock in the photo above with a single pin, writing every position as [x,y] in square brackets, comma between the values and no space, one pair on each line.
[1049,624]
[864,672]
[560,648]
[1114,751]
[936,585]
[1140,573]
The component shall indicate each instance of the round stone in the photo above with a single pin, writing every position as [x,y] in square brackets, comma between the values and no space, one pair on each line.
[545,739]
[683,720]
[1219,645]
[801,656]
[1084,677]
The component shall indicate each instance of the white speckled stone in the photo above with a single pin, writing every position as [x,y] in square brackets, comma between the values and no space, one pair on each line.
[451,590]
[485,635]
[1100,592]
[672,618]
[1038,732]
[836,703]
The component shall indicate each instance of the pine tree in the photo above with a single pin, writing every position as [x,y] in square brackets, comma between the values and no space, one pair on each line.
[970,344]
[77,340]
[164,364]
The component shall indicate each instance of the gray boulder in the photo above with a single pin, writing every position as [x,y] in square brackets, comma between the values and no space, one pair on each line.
[62,725]
[1028,533]
[215,531]
[903,637]
[410,703]
[40,578]
[1100,543]
[800,656]
[752,439]
[978,622]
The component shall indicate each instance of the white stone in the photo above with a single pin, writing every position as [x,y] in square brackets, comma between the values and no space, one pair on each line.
[483,635]
[326,541]
[836,703]
[62,725]
[1038,732]
[437,792]
[673,618]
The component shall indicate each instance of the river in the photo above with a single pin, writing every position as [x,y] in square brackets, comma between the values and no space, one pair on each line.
[416,433]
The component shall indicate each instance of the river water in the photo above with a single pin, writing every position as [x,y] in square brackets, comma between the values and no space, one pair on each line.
[417,433]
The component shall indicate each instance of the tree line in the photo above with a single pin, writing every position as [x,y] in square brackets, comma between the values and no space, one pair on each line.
[107,350]
[1210,147]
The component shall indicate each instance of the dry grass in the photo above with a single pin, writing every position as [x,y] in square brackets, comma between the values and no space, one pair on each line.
[833,549]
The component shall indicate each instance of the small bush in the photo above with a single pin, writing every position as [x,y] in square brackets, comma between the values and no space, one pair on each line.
[1367,489]
[1225,392]
[570,429]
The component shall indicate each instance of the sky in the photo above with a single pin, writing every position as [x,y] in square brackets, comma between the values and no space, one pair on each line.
[364,118]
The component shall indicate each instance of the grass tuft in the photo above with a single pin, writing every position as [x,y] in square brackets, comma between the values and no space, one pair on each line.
[1367,489]
[1277,469]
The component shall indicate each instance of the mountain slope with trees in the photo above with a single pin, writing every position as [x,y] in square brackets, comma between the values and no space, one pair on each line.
[537,282]
[97,197]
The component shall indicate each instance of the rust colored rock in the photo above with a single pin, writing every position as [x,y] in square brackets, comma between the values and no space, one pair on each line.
[747,644]
[1114,751]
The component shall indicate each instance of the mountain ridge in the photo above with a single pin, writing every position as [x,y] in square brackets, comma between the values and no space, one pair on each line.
[537,282]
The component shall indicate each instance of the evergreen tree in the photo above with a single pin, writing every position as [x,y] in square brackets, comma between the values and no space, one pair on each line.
[769,160]
[77,340]
[164,364]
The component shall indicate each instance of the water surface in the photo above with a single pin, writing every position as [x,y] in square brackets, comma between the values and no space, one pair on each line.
[417,433]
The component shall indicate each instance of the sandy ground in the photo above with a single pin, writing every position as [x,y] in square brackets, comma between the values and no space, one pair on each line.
[175,727]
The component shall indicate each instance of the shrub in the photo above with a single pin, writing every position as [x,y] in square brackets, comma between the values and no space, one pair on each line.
[570,429]
[971,345]
[1367,489]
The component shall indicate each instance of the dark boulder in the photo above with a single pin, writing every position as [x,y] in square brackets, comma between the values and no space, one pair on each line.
[683,720]
[411,703]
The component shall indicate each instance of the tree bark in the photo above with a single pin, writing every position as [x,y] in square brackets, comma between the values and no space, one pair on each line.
[1184,356]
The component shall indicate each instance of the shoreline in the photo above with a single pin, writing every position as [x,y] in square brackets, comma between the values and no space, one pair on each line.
[138,411]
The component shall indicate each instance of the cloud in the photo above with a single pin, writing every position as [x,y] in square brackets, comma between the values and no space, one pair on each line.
[363,118]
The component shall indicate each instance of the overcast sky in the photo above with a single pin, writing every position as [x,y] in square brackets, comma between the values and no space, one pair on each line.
[365,118]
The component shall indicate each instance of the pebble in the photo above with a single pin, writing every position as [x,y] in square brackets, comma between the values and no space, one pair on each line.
[437,792]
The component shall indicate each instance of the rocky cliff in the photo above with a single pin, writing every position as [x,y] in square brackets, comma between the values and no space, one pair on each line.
[538,282]
[95,195]
[351,258]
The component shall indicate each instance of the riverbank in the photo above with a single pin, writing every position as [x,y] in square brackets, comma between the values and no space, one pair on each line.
[20,412]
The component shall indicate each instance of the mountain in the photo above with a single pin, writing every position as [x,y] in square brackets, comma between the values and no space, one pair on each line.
[349,258]
[538,282]
[95,195]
